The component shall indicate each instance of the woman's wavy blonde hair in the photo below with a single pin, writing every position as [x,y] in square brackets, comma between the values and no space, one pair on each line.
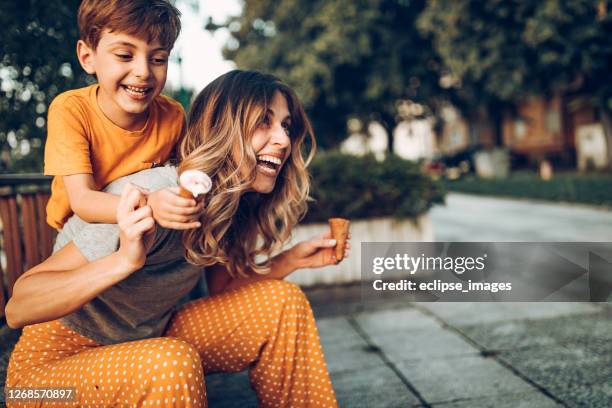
[239,225]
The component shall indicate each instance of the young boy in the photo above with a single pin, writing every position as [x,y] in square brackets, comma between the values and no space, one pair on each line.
[121,124]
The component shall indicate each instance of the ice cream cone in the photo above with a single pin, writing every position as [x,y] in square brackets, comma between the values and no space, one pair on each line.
[339,228]
[183,192]
[194,184]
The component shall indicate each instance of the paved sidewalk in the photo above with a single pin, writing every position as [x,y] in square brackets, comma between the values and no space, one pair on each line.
[398,354]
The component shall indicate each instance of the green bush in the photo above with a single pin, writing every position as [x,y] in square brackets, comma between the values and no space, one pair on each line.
[361,187]
[567,187]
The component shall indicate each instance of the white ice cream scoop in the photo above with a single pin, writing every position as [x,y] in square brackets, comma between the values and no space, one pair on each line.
[193,183]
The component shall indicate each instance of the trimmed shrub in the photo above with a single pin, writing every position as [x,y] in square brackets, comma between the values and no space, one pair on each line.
[362,187]
[567,187]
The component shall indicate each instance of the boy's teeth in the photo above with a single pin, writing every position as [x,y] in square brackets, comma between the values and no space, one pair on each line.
[137,90]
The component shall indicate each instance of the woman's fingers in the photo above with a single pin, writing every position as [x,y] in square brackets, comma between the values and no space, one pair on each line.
[131,223]
[124,205]
[139,214]
[326,234]
[143,226]
[129,201]
[322,242]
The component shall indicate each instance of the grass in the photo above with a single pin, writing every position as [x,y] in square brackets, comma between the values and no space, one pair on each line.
[591,188]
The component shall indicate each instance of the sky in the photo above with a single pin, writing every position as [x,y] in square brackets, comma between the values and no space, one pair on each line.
[199,48]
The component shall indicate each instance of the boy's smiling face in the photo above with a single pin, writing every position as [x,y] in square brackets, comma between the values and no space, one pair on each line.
[131,72]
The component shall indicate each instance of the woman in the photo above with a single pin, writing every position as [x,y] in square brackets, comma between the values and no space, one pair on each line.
[100,314]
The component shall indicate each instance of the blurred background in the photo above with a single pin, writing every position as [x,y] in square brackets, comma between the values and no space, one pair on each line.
[445,120]
[503,97]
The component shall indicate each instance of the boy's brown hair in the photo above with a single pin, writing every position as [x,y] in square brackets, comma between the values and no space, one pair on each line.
[148,19]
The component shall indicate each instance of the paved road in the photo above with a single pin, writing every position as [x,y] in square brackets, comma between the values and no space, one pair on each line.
[478,218]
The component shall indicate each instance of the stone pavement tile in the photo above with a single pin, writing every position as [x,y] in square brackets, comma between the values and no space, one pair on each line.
[395,320]
[352,357]
[422,344]
[343,347]
[230,390]
[592,332]
[591,396]
[346,299]
[465,377]
[575,375]
[469,313]
[377,386]
[533,399]
[337,329]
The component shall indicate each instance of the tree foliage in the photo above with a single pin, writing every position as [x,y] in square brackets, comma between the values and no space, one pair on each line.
[358,58]
[508,49]
[37,62]
[345,58]
[501,51]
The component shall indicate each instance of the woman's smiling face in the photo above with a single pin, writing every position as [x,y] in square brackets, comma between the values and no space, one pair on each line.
[272,144]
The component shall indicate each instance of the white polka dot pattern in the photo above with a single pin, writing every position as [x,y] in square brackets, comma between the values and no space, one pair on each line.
[266,326]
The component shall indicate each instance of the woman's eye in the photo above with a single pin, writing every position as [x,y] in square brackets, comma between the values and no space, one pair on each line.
[159,61]
[287,128]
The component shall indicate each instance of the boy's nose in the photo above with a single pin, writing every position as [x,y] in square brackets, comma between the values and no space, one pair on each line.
[141,68]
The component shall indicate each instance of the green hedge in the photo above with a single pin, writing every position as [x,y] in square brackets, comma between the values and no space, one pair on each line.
[568,187]
[361,187]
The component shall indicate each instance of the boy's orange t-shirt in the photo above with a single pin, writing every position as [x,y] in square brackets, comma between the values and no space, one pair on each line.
[80,139]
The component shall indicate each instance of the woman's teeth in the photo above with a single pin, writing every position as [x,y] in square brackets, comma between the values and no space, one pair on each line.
[268,164]
[270,159]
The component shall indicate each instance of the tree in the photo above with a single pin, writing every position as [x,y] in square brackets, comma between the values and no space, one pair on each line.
[481,48]
[501,51]
[575,51]
[38,61]
[345,58]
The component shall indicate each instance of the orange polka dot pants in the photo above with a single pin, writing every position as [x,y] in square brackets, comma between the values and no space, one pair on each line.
[266,326]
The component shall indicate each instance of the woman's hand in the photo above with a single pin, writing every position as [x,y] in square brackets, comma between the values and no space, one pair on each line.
[316,252]
[136,227]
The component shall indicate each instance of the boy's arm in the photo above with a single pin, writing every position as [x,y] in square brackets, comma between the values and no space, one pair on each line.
[87,202]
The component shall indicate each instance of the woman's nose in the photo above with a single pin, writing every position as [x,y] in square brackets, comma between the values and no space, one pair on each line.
[280,136]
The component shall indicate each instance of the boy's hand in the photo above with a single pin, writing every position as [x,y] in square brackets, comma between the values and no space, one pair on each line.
[170,210]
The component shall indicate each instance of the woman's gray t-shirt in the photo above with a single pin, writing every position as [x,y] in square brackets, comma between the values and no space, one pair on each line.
[141,305]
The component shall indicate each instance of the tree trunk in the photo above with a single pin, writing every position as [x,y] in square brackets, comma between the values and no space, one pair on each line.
[497,122]
[388,122]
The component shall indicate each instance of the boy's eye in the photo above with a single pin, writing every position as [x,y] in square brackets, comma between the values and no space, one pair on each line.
[123,56]
[159,61]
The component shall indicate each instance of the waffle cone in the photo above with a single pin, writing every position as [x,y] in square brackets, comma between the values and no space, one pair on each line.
[339,229]
[183,192]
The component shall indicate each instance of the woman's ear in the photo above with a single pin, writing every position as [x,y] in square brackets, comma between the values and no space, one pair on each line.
[86,57]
